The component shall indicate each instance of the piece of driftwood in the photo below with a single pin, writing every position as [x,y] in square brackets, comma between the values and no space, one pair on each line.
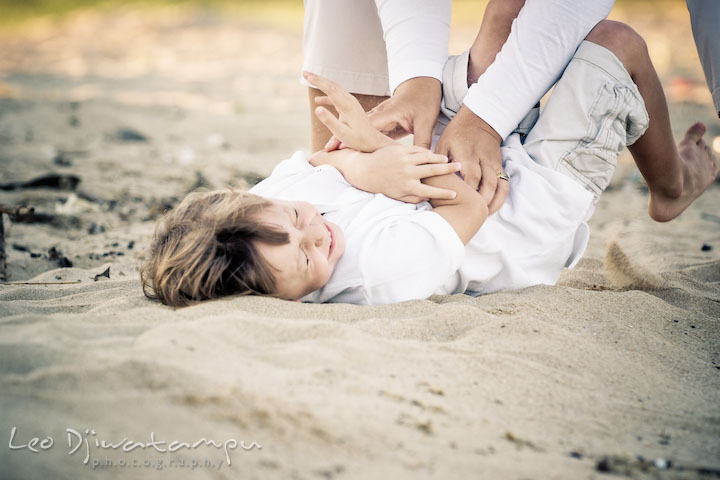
[60,181]
[15,213]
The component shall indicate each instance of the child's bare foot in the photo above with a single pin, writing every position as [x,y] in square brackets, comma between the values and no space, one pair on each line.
[698,173]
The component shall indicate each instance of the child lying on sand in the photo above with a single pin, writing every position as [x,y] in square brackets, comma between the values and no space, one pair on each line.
[306,233]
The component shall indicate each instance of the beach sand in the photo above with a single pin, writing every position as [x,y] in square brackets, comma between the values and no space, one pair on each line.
[616,369]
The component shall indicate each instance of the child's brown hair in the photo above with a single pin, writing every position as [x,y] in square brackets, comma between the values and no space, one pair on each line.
[205,248]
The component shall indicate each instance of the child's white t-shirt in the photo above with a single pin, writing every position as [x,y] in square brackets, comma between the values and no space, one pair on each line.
[396,251]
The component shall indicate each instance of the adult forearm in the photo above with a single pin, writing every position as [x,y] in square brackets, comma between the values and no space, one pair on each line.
[494,31]
[416,34]
[542,41]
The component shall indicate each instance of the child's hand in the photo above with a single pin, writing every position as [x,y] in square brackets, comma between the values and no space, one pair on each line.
[353,128]
[396,171]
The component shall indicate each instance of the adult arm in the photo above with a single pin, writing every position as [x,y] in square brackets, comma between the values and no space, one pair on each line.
[416,36]
[543,38]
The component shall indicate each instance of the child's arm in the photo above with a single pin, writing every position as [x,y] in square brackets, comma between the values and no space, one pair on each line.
[372,161]
[352,126]
[466,212]
[396,171]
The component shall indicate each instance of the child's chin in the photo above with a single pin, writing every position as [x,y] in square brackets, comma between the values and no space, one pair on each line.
[334,259]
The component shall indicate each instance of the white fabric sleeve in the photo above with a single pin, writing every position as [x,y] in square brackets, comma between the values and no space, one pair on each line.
[411,258]
[542,41]
[416,34]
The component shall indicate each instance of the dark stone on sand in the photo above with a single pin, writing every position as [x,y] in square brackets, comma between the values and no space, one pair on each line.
[50,180]
[105,274]
[575,454]
[603,465]
[623,465]
[706,247]
[95,228]
[63,262]
[20,248]
[131,245]
[129,135]
[62,160]
[56,254]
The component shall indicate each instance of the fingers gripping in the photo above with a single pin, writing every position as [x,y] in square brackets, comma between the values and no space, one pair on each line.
[420,156]
[488,184]
[433,170]
[501,193]
[472,174]
[422,134]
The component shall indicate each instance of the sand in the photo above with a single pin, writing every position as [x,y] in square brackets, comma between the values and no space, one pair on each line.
[615,368]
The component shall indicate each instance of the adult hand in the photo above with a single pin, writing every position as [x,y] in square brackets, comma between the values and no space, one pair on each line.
[352,127]
[468,139]
[413,108]
[396,171]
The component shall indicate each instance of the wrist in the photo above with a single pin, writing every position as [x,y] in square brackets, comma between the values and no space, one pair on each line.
[380,140]
[475,123]
[343,160]
[412,86]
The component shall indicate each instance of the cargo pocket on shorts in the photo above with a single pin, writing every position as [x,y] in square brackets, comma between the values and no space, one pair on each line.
[617,118]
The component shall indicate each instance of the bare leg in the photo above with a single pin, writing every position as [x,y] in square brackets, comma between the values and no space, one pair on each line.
[319,134]
[675,174]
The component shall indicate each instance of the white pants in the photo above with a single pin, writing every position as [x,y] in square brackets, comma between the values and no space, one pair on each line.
[343,41]
[705,19]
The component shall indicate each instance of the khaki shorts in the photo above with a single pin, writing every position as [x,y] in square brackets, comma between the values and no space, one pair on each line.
[343,41]
[594,111]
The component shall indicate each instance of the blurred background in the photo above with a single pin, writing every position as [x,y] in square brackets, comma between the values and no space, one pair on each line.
[136,103]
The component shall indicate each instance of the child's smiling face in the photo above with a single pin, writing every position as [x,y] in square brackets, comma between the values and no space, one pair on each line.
[306,263]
